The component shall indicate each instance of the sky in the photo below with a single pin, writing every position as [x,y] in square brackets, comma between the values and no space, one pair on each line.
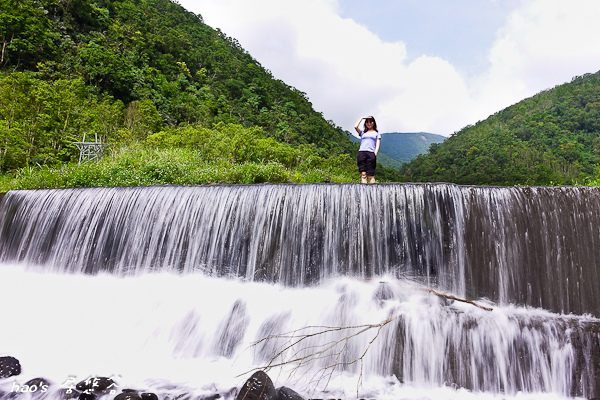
[415,65]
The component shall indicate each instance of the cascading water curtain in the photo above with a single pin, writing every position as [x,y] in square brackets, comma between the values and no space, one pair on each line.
[320,251]
[294,234]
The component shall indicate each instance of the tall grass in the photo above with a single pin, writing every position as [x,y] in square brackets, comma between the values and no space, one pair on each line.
[194,155]
[143,167]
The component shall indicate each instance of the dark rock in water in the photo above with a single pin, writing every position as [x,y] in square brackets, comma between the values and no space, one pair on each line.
[38,387]
[446,301]
[68,393]
[129,391]
[41,385]
[213,397]
[9,366]
[96,385]
[87,396]
[12,396]
[231,331]
[149,396]
[258,387]
[285,393]
[271,327]
[231,393]
[384,292]
[128,394]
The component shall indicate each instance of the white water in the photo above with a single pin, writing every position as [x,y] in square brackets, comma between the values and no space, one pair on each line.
[535,246]
[163,333]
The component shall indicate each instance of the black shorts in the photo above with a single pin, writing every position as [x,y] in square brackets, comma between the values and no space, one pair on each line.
[366,161]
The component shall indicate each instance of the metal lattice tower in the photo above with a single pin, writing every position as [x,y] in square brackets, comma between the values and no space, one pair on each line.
[89,151]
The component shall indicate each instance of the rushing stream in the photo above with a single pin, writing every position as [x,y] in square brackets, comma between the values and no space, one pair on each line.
[172,290]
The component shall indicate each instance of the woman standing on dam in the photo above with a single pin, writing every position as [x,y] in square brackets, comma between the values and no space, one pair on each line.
[370,139]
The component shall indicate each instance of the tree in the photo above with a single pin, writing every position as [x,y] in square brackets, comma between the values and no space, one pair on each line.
[26,34]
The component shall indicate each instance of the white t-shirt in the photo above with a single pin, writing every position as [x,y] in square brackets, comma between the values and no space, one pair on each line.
[368,140]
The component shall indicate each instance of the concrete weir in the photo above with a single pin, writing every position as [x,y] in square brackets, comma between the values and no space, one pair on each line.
[530,253]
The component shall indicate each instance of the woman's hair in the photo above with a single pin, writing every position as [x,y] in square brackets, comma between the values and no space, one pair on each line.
[374,123]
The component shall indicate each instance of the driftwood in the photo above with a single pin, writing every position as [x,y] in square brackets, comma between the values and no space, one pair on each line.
[303,354]
[457,299]
[332,349]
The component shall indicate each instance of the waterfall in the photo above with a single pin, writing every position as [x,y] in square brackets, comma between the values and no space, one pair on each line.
[288,257]
[293,234]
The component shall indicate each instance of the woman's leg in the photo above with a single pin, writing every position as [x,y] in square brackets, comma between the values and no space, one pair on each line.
[363,177]
[372,164]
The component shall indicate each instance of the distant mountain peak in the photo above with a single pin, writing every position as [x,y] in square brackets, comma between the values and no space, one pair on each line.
[401,147]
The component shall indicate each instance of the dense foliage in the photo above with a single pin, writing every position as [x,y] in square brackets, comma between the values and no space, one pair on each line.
[135,71]
[227,153]
[550,138]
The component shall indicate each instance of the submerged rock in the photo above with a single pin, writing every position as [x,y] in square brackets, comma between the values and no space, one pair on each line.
[258,387]
[39,383]
[232,329]
[38,387]
[97,385]
[285,393]
[9,366]
[67,393]
[128,394]
[384,292]
[212,397]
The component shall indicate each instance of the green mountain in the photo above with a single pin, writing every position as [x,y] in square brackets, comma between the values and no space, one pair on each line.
[397,148]
[153,59]
[550,138]
[144,72]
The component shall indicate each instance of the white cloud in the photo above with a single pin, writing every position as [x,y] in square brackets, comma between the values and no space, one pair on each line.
[348,72]
[544,43]
[434,96]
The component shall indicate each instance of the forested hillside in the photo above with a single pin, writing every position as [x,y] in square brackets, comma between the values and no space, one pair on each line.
[403,147]
[550,138]
[146,73]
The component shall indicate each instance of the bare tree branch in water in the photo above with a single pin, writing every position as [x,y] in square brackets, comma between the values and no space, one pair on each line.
[457,299]
[293,353]
[304,356]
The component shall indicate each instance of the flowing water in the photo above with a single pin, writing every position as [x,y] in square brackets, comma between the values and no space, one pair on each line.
[172,289]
